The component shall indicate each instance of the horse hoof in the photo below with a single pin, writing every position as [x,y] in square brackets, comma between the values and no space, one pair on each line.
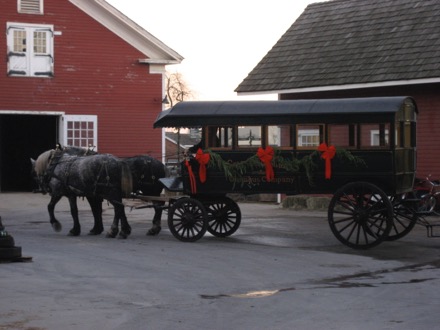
[74,233]
[154,231]
[110,234]
[123,235]
[95,232]
[56,226]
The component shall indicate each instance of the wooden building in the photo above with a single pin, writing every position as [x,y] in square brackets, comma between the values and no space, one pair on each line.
[77,72]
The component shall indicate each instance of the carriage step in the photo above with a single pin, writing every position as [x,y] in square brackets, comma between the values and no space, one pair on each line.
[430,230]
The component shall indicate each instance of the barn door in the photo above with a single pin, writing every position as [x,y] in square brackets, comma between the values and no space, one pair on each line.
[30,50]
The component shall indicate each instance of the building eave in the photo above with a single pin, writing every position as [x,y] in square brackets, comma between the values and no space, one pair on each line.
[345,87]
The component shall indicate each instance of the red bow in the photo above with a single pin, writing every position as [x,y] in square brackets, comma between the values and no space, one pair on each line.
[327,154]
[192,178]
[203,159]
[266,156]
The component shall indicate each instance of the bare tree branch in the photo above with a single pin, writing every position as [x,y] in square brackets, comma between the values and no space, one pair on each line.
[176,88]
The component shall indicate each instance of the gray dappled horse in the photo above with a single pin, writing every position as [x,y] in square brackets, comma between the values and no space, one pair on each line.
[146,172]
[94,201]
[99,176]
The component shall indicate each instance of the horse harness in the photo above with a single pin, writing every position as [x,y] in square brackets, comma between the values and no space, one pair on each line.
[54,160]
[146,173]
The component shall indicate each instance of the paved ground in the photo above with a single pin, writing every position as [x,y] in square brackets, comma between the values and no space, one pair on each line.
[283,269]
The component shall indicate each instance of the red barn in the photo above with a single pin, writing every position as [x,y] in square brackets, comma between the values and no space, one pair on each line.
[80,73]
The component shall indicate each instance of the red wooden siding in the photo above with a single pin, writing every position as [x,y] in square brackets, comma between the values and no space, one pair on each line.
[96,72]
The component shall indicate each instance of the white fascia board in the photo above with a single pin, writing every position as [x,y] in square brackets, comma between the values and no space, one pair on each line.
[31,112]
[125,28]
[343,87]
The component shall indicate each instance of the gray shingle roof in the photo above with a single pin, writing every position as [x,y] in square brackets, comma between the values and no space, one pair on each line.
[346,42]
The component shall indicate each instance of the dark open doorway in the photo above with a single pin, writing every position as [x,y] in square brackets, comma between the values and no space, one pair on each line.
[23,137]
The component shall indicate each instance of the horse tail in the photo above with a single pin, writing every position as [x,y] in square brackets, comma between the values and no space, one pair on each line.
[126,179]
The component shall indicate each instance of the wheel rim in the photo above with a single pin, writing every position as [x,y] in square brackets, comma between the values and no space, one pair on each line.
[360,215]
[224,217]
[187,220]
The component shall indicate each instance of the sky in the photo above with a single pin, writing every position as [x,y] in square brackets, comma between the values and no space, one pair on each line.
[221,40]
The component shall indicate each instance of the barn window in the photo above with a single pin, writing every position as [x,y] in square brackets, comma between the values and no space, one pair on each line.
[30,50]
[30,6]
[81,131]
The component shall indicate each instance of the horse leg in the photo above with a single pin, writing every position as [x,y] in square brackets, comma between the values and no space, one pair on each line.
[155,230]
[125,227]
[96,206]
[114,228]
[76,230]
[56,225]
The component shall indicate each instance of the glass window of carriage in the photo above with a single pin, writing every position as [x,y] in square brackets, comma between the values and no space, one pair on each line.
[375,136]
[249,136]
[279,136]
[219,137]
[309,136]
[342,135]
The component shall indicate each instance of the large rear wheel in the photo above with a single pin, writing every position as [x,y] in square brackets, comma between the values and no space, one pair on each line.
[360,215]
[404,215]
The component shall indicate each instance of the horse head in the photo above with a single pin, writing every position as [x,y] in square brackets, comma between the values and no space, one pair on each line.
[39,169]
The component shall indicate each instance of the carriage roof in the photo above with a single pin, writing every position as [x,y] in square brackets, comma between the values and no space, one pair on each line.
[201,113]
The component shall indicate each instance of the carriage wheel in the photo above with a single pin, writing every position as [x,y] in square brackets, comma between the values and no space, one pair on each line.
[187,219]
[360,215]
[224,217]
[405,217]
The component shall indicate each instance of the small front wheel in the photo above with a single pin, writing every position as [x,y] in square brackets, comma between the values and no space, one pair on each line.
[187,219]
[360,215]
[224,217]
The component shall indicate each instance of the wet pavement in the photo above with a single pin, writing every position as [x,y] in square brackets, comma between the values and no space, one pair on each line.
[282,269]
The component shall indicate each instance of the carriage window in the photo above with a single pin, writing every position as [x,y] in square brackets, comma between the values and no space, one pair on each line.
[279,135]
[219,137]
[375,135]
[309,136]
[342,135]
[249,136]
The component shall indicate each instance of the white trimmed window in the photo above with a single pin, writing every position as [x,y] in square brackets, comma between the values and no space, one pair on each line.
[30,6]
[81,131]
[30,50]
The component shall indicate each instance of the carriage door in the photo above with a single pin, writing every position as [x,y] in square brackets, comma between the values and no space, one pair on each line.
[80,131]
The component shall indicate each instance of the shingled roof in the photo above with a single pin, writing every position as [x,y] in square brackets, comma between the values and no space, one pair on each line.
[345,44]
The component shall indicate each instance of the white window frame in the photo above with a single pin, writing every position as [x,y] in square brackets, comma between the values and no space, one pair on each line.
[78,135]
[29,62]
[30,6]
[374,138]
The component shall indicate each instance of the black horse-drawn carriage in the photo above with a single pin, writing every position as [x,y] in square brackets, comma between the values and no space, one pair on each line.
[361,151]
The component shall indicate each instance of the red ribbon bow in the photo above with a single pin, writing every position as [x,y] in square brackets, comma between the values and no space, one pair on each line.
[266,156]
[328,153]
[203,160]
[192,179]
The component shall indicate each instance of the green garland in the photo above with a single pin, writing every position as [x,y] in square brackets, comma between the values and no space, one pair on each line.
[234,171]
